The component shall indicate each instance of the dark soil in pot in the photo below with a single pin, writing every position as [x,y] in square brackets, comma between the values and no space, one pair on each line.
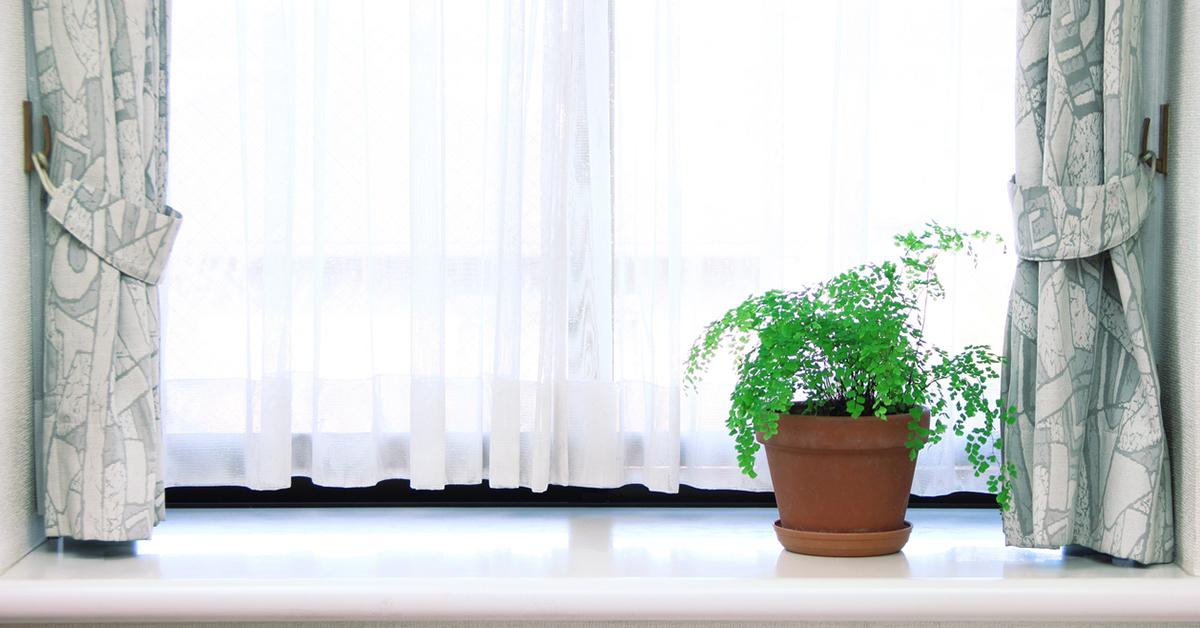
[841,484]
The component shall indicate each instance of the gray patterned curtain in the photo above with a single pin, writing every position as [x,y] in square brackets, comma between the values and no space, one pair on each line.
[1088,444]
[102,76]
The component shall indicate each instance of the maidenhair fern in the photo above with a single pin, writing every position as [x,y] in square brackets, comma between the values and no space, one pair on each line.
[855,346]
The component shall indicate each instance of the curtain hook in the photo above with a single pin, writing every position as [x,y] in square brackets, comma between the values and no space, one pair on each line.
[1157,161]
[38,161]
[1144,155]
[47,136]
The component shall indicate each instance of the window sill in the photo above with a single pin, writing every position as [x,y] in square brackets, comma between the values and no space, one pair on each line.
[380,564]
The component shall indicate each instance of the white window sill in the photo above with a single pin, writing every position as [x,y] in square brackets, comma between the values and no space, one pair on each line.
[380,564]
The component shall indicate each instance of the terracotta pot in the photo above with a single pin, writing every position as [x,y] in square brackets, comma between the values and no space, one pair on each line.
[841,484]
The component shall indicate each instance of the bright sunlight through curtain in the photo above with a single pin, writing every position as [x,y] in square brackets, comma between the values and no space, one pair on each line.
[456,241]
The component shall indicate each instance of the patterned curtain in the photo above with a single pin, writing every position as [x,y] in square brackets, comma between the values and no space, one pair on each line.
[102,75]
[1088,444]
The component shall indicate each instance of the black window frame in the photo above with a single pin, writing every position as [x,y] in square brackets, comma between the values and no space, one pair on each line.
[304,493]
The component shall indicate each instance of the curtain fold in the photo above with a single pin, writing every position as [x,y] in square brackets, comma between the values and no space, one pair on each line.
[450,241]
[1088,444]
[102,76]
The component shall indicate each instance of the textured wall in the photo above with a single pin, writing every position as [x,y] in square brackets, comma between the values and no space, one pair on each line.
[1180,359]
[18,529]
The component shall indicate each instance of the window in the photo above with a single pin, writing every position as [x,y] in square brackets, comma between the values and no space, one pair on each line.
[448,241]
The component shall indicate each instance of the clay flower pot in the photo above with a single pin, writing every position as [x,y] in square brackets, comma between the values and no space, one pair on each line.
[841,484]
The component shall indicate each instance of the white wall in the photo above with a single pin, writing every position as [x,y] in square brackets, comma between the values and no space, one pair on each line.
[19,529]
[1179,364]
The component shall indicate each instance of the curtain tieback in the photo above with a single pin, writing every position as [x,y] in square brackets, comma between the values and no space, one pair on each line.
[1061,222]
[133,238]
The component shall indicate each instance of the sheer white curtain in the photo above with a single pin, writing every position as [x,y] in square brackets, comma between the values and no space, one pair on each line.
[453,241]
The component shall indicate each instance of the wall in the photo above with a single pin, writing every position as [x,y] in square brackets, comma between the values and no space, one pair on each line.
[19,529]
[1179,362]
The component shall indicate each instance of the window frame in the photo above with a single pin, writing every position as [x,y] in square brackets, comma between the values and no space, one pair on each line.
[303,493]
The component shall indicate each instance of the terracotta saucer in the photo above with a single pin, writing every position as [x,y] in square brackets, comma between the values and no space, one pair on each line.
[843,543]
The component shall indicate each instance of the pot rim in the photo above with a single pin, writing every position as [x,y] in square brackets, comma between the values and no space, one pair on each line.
[894,423]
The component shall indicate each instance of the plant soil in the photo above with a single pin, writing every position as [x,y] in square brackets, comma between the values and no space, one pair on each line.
[832,407]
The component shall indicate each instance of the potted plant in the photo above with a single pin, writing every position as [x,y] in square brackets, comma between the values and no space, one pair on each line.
[839,383]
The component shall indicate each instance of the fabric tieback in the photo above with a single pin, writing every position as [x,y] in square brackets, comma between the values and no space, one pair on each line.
[1062,222]
[139,249]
